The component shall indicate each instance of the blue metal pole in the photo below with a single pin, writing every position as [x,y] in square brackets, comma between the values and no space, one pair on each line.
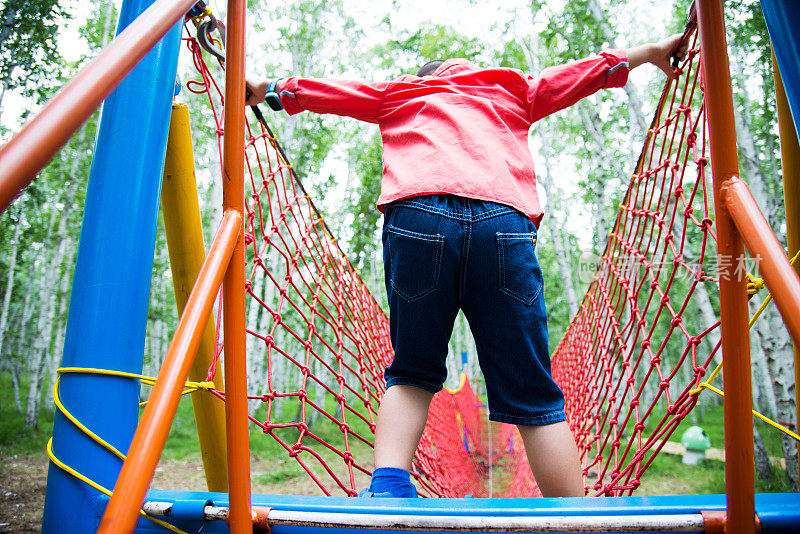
[782,17]
[111,285]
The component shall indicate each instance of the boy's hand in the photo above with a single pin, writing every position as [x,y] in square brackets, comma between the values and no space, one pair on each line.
[659,54]
[255,92]
[663,52]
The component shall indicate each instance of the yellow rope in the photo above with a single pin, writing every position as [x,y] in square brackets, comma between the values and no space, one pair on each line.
[755,285]
[81,426]
[190,387]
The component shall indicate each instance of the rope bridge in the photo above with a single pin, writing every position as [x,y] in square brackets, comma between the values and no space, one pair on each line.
[318,341]
[631,364]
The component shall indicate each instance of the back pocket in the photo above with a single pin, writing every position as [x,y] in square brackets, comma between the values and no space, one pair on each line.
[520,273]
[415,261]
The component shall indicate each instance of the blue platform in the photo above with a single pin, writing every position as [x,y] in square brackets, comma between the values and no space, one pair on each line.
[778,512]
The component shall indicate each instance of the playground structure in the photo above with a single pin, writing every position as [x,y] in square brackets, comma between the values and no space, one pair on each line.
[70,501]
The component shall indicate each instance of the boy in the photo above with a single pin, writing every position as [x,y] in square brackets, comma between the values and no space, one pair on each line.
[461,214]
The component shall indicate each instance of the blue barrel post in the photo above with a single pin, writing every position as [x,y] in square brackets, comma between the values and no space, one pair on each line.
[782,17]
[111,286]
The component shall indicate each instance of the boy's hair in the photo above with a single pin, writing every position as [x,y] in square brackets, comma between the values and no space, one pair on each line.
[429,67]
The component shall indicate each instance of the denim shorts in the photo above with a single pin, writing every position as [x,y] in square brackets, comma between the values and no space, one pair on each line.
[443,253]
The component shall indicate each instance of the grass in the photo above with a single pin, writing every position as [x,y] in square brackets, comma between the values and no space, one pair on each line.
[712,423]
[670,476]
[666,475]
[15,437]
[277,476]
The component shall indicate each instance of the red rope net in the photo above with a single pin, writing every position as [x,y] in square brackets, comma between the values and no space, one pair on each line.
[318,340]
[634,350]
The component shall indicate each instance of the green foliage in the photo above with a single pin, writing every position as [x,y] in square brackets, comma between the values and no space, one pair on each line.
[558,313]
[753,84]
[408,50]
[30,29]
[367,165]
[572,32]
[98,29]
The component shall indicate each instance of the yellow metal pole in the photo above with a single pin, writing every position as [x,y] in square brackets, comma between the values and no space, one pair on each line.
[186,255]
[790,158]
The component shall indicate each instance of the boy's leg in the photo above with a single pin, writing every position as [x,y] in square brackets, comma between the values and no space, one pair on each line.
[421,261]
[401,420]
[554,459]
[504,304]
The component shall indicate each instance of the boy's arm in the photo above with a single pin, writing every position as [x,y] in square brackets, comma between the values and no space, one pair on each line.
[341,97]
[561,86]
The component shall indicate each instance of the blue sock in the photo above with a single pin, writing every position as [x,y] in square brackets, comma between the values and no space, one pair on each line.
[393,480]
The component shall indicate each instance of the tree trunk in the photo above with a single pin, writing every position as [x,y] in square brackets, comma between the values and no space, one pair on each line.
[61,327]
[13,368]
[23,343]
[9,286]
[763,465]
[41,344]
[558,231]
[2,97]
[763,390]
[634,103]
[750,157]
[780,362]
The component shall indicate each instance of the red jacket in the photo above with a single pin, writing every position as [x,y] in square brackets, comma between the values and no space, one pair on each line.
[463,130]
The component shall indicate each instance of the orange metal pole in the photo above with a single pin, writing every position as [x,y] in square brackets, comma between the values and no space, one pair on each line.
[240,519]
[778,273]
[122,511]
[30,150]
[734,315]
